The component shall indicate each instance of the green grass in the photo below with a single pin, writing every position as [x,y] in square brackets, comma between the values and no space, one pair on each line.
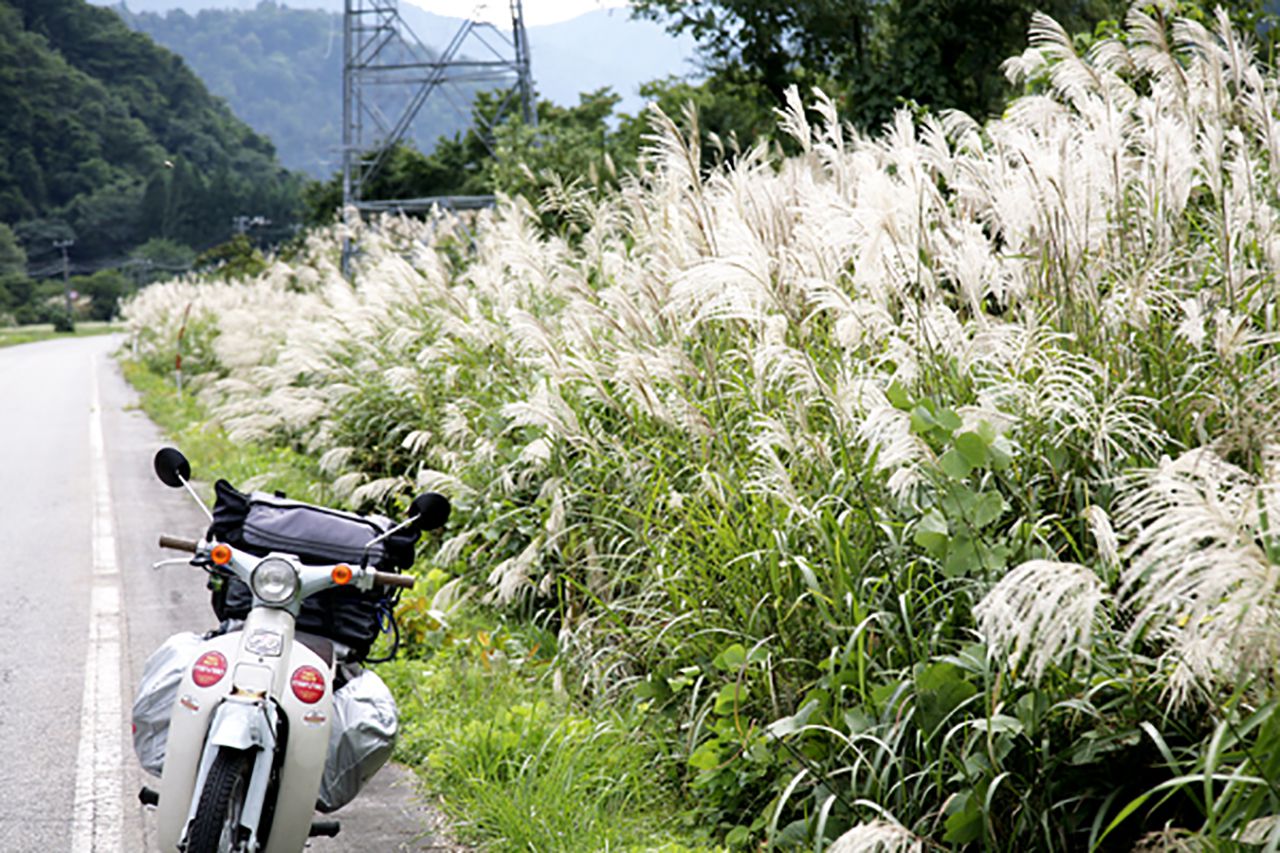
[13,335]
[524,768]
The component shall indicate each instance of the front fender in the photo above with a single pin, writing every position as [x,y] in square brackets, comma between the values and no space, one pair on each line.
[240,725]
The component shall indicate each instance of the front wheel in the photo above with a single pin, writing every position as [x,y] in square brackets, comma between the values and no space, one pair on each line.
[216,826]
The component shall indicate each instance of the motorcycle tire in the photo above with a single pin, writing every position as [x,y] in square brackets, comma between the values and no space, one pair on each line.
[216,826]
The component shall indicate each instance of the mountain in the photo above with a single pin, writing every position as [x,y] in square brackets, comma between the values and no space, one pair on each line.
[279,65]
[110,140]
[605,48]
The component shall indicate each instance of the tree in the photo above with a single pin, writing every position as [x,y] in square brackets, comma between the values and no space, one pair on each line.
[569,140]
[237,258]
[115,137]
[774,41]
[159,259]
[13,260]
[874,55]
[105,289]
[733,111]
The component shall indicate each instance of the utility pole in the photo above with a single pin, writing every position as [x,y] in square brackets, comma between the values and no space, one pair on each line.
[66,276]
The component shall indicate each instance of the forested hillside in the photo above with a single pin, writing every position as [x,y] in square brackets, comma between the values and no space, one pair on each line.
[110,141]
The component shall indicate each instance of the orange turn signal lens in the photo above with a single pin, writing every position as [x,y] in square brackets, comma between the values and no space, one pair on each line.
[341,575]
[221,555]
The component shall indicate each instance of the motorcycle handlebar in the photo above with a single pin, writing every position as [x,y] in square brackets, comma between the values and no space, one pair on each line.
[179,544]
[381,578]
[389,579]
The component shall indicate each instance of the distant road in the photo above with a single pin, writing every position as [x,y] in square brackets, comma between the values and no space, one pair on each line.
[81,609]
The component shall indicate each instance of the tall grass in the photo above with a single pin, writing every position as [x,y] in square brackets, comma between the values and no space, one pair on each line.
[921,480]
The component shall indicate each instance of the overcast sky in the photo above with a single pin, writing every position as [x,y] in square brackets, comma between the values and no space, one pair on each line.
[536,12]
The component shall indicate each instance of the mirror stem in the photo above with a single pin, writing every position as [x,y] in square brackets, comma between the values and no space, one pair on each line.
[364,556]
[191,491]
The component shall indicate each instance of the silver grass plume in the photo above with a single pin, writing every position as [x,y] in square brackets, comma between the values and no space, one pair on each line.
[877,836]
[1201,575]
[1041,615]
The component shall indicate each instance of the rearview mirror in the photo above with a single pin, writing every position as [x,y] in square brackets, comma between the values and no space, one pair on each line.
[173,469]
[429,511]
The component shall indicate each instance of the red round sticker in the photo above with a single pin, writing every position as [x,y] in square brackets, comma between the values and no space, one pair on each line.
[307,684]
[209,669]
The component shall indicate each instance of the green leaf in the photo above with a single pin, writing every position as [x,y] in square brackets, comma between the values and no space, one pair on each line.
[1001,454]
[856,720]
[729,697]
[654,687]
[922,420]
[898,396]
[973,448]
[738,836]
[949,421]
[954,465]
[932,533]
[731,657]
[989,507]
[792,836]
[962,558]
[987,432]
[998,724]
[706,756]
[940,689]
[790,725]
[964,824]
[884,693]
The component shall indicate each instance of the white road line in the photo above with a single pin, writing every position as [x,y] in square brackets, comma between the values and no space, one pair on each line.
[99,811]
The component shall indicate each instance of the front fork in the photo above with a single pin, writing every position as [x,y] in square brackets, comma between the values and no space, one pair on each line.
[241,724]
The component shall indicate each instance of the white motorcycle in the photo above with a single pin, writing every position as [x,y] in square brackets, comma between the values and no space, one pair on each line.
[249,731]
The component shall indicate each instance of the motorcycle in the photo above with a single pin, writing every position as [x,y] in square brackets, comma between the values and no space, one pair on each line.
[249,732]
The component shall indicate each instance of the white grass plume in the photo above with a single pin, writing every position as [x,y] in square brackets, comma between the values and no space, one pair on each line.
[1041,614]
[1201,576]
[877,836]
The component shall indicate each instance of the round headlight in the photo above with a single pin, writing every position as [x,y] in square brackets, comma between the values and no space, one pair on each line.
[275,581]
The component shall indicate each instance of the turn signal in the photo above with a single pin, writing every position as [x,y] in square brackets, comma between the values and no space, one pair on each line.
[221,555]
[341,575]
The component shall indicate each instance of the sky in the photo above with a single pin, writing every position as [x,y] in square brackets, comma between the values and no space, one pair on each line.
[536,12]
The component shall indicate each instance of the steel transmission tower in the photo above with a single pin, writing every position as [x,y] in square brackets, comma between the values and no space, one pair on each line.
[383,56]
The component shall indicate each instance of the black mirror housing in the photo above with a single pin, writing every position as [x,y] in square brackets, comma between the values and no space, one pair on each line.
[172,467]
[429,511]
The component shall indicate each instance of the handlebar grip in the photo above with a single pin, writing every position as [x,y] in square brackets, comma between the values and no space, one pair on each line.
[389,579]
[179,544]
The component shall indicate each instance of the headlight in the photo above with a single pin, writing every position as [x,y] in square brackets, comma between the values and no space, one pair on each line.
[275,581]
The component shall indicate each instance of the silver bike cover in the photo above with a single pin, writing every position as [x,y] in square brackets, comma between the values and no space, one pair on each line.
[157,692]
[360,741]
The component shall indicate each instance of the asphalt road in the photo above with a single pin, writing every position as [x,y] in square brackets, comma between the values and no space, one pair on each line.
[82,609]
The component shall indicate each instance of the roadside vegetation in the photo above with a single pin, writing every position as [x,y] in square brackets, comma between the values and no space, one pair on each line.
[909,491]
[14,335]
